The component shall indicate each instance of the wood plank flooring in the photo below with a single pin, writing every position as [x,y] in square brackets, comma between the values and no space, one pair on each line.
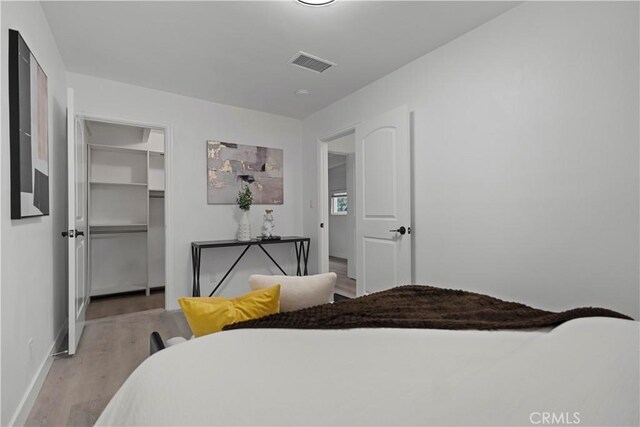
[114,305]
[344,285]
[78,388]
[113,344]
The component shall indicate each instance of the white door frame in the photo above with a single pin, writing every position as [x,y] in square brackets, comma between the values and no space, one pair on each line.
[168,168]
[323,194]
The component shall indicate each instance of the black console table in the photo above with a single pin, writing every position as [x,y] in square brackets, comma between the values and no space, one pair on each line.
[302,254]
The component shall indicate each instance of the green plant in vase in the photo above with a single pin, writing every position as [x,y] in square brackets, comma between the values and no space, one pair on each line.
[244,200]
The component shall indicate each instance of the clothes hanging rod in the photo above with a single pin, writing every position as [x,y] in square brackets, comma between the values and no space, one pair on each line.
[117,231]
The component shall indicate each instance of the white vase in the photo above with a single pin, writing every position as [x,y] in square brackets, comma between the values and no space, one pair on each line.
[244,227]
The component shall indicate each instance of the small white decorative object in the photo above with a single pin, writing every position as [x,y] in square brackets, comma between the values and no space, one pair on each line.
[244,227]
[268,225]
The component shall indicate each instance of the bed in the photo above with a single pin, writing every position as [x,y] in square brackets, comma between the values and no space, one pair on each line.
[584,371]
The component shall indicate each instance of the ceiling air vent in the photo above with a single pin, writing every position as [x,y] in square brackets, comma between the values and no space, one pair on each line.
[310,62]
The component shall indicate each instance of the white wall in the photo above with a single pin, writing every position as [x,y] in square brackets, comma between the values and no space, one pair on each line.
[33,253]
[193,122]
[343,145]
[338,225]
[525,155]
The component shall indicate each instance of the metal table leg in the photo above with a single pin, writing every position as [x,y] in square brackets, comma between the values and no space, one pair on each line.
[229,271]
[198,257]
[298,256]
[273,260]
[306,257]
[195,268]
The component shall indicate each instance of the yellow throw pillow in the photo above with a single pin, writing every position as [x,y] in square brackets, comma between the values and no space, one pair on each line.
[209,315]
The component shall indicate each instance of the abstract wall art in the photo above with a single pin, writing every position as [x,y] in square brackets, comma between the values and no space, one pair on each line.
[229,166]
[28,131]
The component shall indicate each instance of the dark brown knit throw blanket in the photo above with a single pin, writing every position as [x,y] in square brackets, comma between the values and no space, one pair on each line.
[422,307]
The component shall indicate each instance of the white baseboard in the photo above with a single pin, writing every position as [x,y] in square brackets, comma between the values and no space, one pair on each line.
[29,398]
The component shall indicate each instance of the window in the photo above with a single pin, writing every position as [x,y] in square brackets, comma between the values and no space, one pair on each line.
[339,203]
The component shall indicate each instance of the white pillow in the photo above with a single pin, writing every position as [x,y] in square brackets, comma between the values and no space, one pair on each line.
[298,292]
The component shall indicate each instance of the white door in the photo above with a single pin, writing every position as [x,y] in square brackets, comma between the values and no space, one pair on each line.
[77,222]
[383,202]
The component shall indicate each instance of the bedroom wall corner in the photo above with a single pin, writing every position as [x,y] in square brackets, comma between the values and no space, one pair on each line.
[32,253]
[526,135]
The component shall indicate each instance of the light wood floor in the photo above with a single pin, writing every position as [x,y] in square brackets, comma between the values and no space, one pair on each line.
[113,344]
[344,285]
[78,388]
[114,305]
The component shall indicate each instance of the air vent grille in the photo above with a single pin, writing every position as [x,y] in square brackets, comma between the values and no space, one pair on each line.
[310,62]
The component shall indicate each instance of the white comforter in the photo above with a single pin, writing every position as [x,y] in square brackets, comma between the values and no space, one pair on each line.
[585,368]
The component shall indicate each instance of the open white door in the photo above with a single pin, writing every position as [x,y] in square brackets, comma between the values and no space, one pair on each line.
[77,222]
[383,202]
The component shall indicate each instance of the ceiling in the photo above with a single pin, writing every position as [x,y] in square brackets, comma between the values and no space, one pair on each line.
[237,52]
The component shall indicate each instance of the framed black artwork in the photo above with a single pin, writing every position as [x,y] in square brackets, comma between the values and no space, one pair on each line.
[28,131]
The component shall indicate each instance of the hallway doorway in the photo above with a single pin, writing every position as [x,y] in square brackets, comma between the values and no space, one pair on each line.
[338,211]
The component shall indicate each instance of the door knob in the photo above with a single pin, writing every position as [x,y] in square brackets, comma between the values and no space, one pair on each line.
[402,230]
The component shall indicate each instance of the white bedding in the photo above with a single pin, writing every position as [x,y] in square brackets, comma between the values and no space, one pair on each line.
[389,377]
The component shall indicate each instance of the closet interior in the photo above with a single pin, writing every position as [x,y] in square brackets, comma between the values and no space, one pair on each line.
[126,189]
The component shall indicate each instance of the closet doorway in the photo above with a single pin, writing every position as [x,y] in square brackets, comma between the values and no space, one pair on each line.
[125,169]
[338,235]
